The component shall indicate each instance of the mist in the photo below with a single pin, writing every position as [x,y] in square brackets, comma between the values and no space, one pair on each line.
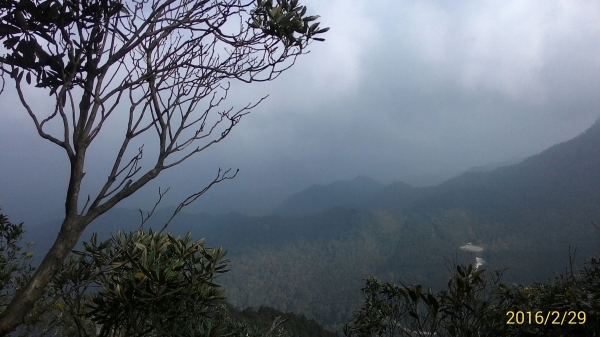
[399,91]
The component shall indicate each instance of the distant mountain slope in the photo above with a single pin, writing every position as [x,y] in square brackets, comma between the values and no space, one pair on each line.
[318,198]
[494,165]
[396,196]
[564,179]
[565,175]
[525,216]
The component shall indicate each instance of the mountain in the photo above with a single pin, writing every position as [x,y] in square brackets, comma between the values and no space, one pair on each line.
[562,179]
[362,191]
[318,198]
[396,196]
[494,165]
[312,257]
[527,216]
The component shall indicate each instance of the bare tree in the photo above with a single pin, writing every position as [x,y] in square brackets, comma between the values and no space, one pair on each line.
[163,64]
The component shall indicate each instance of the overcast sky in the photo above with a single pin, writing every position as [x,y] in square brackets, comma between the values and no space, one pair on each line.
[399,89]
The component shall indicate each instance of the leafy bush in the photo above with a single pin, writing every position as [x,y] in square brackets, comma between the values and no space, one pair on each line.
[136,284]
[142,282]
[15,268]
[15,271]
[476,303]
[574,296]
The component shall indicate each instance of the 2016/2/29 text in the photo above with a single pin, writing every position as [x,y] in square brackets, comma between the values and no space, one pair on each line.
[550,317]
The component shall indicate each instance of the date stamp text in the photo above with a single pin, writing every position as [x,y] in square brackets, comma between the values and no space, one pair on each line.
[546,318]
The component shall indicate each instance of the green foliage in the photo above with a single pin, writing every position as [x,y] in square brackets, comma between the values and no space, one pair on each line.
[284,20]
[15,268]
[464,303]
[138,284]
[292,324]
[143,282]
[478,304]
[15,271]
[27,21]
[569,295]
[391,310]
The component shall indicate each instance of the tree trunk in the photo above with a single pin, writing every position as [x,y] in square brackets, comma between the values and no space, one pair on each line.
[70,231]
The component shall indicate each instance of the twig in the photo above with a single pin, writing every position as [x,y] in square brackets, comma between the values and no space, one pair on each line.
[149,214]
[276,324]
[195,196]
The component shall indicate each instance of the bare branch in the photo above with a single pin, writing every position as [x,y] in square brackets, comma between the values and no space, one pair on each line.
[86,203]
[220,177]
[38,125]
[276,324]
[133,169]
[149,214]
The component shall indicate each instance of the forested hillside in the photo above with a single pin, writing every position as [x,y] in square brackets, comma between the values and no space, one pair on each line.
[313,262]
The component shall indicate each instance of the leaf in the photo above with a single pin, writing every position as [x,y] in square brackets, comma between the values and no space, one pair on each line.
[313,27]
[8,29]
[481,304]
[311,18]
[140,246]
[28,78]
[255,24]
[116,265]
[10,43]
[164,247]
[44,5]
[412,295]
[21,20]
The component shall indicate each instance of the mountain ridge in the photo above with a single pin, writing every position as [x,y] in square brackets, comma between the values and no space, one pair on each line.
[526,216]
[318,198]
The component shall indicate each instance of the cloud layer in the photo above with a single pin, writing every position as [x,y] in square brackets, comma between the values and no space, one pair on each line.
[399,89]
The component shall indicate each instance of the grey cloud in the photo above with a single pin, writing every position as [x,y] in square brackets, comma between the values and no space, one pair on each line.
[399,89]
